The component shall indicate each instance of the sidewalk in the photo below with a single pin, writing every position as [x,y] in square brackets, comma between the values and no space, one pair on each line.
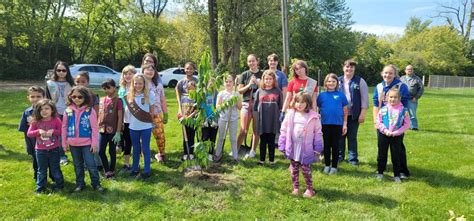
[19,85]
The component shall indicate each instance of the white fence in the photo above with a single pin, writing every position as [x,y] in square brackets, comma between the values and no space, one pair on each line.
[441,81]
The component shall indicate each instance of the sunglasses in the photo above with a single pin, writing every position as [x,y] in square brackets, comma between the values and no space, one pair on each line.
[76,97]
[61,70]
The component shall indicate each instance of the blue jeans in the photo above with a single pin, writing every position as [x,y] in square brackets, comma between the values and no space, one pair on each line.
[351,136]
[141,143]
[81,155]
[45,159]
[412,111]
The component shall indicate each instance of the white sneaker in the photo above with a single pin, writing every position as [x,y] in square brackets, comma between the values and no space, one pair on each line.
[403,176]
[252,154]
[185,157]
[231,154]
[326,170]
[397,179]
[191,156]
[333,170]
[379,176]
[210,157]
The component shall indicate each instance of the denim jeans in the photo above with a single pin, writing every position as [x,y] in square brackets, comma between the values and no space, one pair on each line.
[351,136]
[412,111]
[81,155]
[45,159]
[141,143]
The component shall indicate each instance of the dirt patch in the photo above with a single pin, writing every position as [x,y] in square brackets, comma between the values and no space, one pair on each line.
[6,86]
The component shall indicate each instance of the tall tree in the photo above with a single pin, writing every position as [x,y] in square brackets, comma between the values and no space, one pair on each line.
[458,16]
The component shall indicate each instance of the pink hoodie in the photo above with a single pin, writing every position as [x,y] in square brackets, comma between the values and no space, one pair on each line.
[393,116]
[80,141]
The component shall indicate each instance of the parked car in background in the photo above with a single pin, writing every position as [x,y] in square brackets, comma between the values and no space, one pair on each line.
[171,76]
[97,73]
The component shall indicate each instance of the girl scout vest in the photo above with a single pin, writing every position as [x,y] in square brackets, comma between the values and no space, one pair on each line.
[386,118]
[108,116]
[84,123]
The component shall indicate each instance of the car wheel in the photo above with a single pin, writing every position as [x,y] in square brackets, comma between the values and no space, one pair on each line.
[172,83]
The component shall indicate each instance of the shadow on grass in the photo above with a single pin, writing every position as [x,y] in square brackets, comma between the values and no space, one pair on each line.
[379,201]
[9,125]
[6,154]
[446,132]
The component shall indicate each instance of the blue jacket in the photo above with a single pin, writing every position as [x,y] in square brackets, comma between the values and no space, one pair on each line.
[382,89]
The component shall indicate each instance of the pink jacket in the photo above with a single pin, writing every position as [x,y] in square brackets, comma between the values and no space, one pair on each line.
[389,119]
[313,142]
[80,141]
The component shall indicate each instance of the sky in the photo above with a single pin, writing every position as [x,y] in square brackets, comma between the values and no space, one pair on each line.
[391,16]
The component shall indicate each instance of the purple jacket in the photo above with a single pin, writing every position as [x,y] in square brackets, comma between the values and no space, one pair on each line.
[313,142]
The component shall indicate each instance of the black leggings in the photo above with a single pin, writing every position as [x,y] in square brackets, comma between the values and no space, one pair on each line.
[105,139]
[332,134]
[210,133]
[190,133]
[267,139]
[126,141]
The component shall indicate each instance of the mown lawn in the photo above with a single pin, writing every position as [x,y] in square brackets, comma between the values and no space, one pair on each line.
[440,158]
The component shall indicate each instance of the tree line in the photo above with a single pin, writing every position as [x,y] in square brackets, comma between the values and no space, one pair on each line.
[115,33]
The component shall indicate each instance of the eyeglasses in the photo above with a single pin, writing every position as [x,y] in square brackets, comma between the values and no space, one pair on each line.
[61,70]
[149,61]
[80,97]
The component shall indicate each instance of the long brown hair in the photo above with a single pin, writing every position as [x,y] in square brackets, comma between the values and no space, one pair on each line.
[268,73]
[303,97]
[41,103]
[300,63]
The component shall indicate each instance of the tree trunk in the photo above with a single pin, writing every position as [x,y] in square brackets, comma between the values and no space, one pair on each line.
[213,33]
[237,32]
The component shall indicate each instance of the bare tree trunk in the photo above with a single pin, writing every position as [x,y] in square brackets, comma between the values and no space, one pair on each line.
[237,31]
[213,33]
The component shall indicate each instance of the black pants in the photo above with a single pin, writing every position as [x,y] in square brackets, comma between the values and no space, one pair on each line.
[395,144]
[210,133]
[332,135]
[105,139]
[126,141]
[403,158]
[267,139]
[190,133]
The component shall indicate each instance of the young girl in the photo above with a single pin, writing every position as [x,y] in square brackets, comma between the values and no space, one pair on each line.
[46,128]
[228,119]
[392,121]
[140,103]
[300,82]
[82,79]
[110,126]
[126,142]
[333,106]
[57,90]
[268,104]
[160,108]
[185,108]
[301,140]
[79,135]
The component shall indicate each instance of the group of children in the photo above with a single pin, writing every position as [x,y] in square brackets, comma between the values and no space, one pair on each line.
[74,119]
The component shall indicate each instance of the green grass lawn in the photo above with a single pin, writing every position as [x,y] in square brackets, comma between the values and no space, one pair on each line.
[440,157]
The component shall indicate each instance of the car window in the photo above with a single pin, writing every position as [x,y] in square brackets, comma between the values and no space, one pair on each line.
[179,71]
[87,68]
[104,70]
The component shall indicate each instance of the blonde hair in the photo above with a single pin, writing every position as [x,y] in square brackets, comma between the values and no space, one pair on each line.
[268,73]
[133,93]
[125,70]
[395,90]
[393,67]
[331,75]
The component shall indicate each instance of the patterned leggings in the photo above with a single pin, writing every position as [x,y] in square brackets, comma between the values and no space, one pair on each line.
[306,169]
[159,133]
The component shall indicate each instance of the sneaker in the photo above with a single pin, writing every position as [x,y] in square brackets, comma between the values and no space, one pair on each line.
[403,176]
[57,189]
[191,156]
[134,173]
[124,169]
[272,163]
[295,192]
[99,189]
[78,189]
[143,176]
[326,170]
[109,175]
[261,163]
[309,193]
[379,176]
[333,171]
[231,154]
[397,179]
[252,154]
[210,157]
[118,149]
[63,161]
[353,163]
[40,191]
[184,158]
[159,158]
[415,129]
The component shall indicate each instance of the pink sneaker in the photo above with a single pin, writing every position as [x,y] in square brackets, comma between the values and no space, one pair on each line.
[159,158]
[309,193]
[295,192]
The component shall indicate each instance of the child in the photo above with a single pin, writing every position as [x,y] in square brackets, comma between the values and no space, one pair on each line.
[160,107]
[57,90]
[392,121]
[82,79]
[185,107]
[126,142]
[110,126]
[46,128]
[301,140]
[35,93]
[268,103]
[228,119]
[333,107]
[79,134]
[210,127]
[140,103]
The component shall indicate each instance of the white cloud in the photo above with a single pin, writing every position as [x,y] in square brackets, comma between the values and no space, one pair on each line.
[424,8]
[379,30]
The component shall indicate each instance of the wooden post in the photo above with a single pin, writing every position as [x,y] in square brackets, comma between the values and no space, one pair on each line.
[284,24]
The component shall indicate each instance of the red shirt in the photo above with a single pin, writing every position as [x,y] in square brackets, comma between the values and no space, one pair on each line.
[296,85]
[46,143]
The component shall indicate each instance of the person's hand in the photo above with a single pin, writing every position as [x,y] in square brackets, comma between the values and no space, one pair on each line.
[66,148]
[344,130]
[388,133]
[93,149]
[117,137]
[413,100]
[49,133]
[282,116]
[361,118]
[42,132]
[179,115]
[165,118]
[375,126]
